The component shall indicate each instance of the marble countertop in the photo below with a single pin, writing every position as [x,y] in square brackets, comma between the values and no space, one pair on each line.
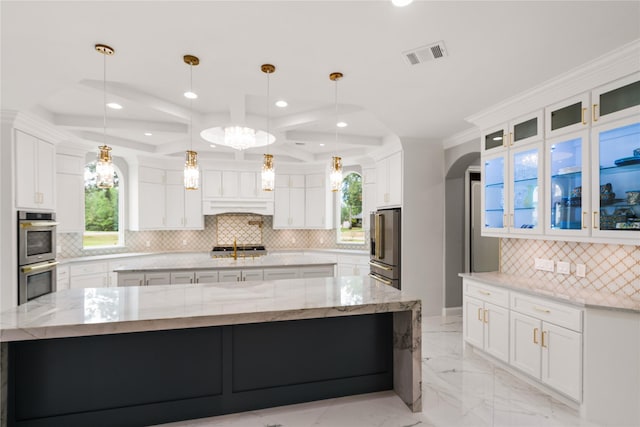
[99,311]
[536,287]
[200,260]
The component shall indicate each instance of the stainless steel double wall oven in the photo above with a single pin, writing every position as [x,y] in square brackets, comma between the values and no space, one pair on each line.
[36,254]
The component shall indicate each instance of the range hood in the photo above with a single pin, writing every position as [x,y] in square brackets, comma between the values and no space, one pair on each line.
[248,206]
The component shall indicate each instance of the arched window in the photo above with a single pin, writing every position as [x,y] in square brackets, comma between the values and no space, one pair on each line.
[350,229]
[101,211]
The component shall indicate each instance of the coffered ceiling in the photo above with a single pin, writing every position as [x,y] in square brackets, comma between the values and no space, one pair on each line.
[494,50]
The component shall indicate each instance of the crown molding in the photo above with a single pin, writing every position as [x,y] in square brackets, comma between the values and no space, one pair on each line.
[35,125]
[618,63]
[461,137]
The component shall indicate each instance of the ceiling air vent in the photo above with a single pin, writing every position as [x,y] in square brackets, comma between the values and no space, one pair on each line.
[425,53]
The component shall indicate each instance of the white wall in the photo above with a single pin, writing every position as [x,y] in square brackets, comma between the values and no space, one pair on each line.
[423,222]
[8,256]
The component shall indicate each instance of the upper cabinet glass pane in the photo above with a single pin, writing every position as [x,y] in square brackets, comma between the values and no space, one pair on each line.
[566,116]
[494,192]
[566,184]
[525,189]
[525,129]
[619,99]
[619,154]
[493,140]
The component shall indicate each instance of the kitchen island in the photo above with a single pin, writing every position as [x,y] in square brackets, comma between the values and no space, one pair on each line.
[148,355]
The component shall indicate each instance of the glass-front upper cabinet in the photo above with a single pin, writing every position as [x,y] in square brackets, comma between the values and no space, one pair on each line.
[525,208]
[493,193]
[616,100]
[570,115]
[567,184]
[516,132]
[616,181]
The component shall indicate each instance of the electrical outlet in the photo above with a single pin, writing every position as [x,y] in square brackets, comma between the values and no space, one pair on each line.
[147,243]
[581,270]
[184,242]
[564,267]
[544,264]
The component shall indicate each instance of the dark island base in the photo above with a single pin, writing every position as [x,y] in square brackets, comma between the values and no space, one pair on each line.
[163,376]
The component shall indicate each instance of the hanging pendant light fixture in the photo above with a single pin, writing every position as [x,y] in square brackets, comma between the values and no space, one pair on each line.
[335,171]
[191,170]
[268,172]
[104,165]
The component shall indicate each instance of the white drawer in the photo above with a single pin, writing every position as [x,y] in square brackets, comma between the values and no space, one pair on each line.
[88,268]
[488,293]
[559,314]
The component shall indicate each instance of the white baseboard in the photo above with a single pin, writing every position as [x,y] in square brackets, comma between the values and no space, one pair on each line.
[451,311]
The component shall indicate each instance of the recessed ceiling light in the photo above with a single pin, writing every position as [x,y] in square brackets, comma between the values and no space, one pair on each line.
[114,106]
[212,145]
[401,3]
[342,124]
[148,134]
[282,103]
[322,144]
[190,95]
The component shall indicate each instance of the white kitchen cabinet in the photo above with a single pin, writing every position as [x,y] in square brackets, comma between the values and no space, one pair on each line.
[35,174]
[240,275]
[616,100]
[389,181]
[353,265]
[159,278]
[212,184]
[289,201]
[546,342]
[569,115]
[206,276]
[512,191]
[163,203]
[89,274]
[70,193]
[319,202]
[131,279]
[281,273]
[232,191]
[486,319]
[516,132]
[182,277]
[316,271]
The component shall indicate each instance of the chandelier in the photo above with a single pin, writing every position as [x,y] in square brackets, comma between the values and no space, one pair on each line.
[237,137]
[104,165]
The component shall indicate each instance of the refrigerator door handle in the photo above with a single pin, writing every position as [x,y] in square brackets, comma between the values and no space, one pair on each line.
[383,267]
[380,279]
[379,236]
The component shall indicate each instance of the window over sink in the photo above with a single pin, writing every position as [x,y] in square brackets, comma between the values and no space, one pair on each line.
[102,211]
[350,230]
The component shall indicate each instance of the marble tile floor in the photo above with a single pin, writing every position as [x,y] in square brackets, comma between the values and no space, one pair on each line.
[459,389]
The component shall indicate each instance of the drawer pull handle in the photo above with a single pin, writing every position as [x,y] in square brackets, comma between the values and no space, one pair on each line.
[484,316]
[541,309]
[479,314]
[543,333]
[484,292]
[535,335]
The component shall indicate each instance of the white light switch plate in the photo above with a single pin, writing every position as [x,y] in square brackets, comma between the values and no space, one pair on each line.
[563,267]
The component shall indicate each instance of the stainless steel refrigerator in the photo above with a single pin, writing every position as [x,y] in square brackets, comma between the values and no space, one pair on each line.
[384,259]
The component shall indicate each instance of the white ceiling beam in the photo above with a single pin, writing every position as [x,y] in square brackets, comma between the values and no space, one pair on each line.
[139,97]
[311,116]
[117,142]
[291,151]
[327,137]
[75,121]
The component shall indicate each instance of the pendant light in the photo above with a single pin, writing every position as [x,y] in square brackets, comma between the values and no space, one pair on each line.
[104,165]
[191,170]
[268,172]
[335,169]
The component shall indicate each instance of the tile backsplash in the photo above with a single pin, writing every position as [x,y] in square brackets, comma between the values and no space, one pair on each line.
[611,269]
[218,230]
